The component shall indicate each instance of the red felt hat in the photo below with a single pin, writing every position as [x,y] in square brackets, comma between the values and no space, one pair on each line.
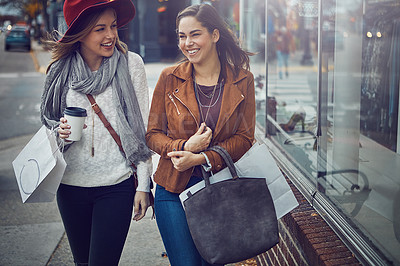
[75,10]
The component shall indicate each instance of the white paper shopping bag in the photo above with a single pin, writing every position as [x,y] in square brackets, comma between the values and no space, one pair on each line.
[39,167]
[257,162]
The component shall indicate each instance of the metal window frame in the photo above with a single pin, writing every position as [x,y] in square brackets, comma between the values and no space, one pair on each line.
[364,250]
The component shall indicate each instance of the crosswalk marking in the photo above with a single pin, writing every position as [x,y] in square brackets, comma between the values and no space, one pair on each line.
[32,74]
[294,89]
[9,75]
[295,98]
[289,91]
[20,75]
[291,85]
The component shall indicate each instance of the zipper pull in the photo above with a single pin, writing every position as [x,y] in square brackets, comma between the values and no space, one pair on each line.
[173,101]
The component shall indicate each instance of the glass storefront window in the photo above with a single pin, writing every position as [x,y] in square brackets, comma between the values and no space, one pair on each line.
[253,38]
[328,75]
[292,80]
[362,99]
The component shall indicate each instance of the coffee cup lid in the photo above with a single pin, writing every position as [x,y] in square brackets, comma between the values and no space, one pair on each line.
[75,111]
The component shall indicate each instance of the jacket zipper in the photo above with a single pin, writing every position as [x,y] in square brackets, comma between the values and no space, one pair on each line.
[197,123]
[173,101]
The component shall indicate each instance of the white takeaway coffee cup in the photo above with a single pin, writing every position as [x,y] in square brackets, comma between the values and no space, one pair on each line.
[76,119]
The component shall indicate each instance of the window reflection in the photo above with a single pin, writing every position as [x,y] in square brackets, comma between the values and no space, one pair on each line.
[292,79]
[364,130]
[381,68]
[347,93]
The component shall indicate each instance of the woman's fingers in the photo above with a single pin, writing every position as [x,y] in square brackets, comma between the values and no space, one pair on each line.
[63,129]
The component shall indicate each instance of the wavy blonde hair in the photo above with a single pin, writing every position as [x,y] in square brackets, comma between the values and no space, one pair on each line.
[71,43]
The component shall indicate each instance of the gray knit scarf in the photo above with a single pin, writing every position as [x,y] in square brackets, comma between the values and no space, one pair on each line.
[73,73]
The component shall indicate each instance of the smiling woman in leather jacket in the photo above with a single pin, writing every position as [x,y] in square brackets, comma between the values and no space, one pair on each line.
[206,100]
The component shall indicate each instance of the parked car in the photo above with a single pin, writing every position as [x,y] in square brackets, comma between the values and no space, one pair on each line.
[18,37]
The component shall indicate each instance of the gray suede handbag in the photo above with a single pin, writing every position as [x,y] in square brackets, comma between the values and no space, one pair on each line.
[232,220]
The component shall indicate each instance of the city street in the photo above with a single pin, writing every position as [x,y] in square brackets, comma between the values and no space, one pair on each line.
[326,86]
[20,91]
[33,234]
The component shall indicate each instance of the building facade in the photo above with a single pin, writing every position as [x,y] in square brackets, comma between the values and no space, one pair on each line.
[152,33]
[327,85]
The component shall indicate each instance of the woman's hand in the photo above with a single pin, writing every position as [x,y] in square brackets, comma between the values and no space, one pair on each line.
[141,203]
[200,140]
[184,160]
[63,130]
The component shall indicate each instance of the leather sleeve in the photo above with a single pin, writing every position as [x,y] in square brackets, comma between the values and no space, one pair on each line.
[156,136]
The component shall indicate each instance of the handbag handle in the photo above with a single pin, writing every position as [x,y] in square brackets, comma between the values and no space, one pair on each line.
[228,161]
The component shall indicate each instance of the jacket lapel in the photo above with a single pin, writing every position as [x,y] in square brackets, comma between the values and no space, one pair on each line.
[185,91]
[185,94]
[231,98]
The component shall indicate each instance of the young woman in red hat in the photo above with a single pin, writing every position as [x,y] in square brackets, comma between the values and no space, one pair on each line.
[206,100]
[97,193]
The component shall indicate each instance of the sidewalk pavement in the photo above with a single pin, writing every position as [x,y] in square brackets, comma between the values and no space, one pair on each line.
[33,234]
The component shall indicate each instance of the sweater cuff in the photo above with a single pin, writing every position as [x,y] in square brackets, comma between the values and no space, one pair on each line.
[144,171]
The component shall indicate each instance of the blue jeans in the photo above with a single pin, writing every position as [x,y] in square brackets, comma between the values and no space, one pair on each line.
[171,222]
[283,60]
[96,221]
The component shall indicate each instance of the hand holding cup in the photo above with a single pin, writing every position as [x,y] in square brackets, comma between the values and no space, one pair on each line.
[72,123]
[63,131]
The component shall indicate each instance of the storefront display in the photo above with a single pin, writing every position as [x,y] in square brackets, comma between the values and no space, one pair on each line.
[332,101]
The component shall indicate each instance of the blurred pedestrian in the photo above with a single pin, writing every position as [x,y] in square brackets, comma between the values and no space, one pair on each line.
[207,99]
[283,45]
[97,194]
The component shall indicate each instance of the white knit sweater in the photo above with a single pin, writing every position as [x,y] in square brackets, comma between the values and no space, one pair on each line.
[107,166]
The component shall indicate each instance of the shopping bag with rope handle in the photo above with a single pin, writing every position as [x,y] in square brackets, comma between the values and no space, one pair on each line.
[39,167]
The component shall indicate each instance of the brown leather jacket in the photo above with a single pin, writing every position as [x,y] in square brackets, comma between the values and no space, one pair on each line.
[174,118]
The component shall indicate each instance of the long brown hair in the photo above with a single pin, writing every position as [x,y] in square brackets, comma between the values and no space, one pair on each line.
[228,48]
[70,43]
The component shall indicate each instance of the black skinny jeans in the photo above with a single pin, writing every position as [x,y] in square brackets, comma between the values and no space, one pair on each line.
[96,221]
